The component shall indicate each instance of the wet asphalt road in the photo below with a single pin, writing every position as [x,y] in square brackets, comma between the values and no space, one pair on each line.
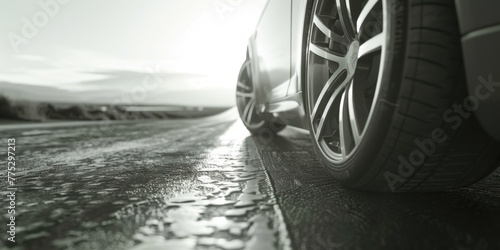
[207,184]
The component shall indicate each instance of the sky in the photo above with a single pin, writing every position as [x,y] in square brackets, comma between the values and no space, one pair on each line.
[184,52]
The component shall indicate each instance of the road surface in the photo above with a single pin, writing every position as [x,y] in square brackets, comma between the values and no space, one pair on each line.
[208,184]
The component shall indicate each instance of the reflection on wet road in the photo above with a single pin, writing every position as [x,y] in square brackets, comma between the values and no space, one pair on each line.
[207,184]
[164,185]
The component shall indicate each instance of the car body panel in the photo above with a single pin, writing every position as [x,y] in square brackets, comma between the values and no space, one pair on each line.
[297,44]
[480,27]
[271,57]
[277,95]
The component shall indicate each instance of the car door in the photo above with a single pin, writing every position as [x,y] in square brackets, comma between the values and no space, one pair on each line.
[272,42]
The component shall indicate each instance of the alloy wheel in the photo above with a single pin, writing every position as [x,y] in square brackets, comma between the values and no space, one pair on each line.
[245,97]
[344,60]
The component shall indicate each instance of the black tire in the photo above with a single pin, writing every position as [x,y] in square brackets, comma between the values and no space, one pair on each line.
[417,139]
[256,123]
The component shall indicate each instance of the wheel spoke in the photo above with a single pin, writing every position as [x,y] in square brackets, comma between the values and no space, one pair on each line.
[320,23]
[346,19]
[248,112]
[325,53]
[343,126]
[329,108]
[364,13]
[373,44]
[352,116]
[321,98]
[243,86]
[243,94]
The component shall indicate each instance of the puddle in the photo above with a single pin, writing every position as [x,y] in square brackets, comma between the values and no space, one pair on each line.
[229,210]
[36,132]
[159,243]
[227,203]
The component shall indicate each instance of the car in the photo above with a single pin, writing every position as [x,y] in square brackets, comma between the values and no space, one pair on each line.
[397,95]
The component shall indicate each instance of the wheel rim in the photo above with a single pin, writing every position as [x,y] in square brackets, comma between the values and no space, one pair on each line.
[245,98]
[345,59]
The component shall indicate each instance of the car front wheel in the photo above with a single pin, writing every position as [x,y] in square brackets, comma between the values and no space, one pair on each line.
[386,98]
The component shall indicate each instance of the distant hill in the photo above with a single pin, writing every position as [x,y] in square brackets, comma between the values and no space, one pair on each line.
[44,111]
[118,91]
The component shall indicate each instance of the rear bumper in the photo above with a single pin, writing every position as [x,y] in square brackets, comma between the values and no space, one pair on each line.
[480,28]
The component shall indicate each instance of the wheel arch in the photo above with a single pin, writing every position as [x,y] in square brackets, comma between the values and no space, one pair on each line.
[480,29]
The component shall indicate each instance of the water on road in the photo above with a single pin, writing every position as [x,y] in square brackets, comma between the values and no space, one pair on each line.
[208,184]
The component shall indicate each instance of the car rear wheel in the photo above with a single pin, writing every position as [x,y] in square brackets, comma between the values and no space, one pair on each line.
[247,107]
[386,98]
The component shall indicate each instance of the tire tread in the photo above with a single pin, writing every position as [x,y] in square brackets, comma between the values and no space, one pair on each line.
[459,161]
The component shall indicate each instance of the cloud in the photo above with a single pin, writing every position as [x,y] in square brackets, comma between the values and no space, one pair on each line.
[192,46]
